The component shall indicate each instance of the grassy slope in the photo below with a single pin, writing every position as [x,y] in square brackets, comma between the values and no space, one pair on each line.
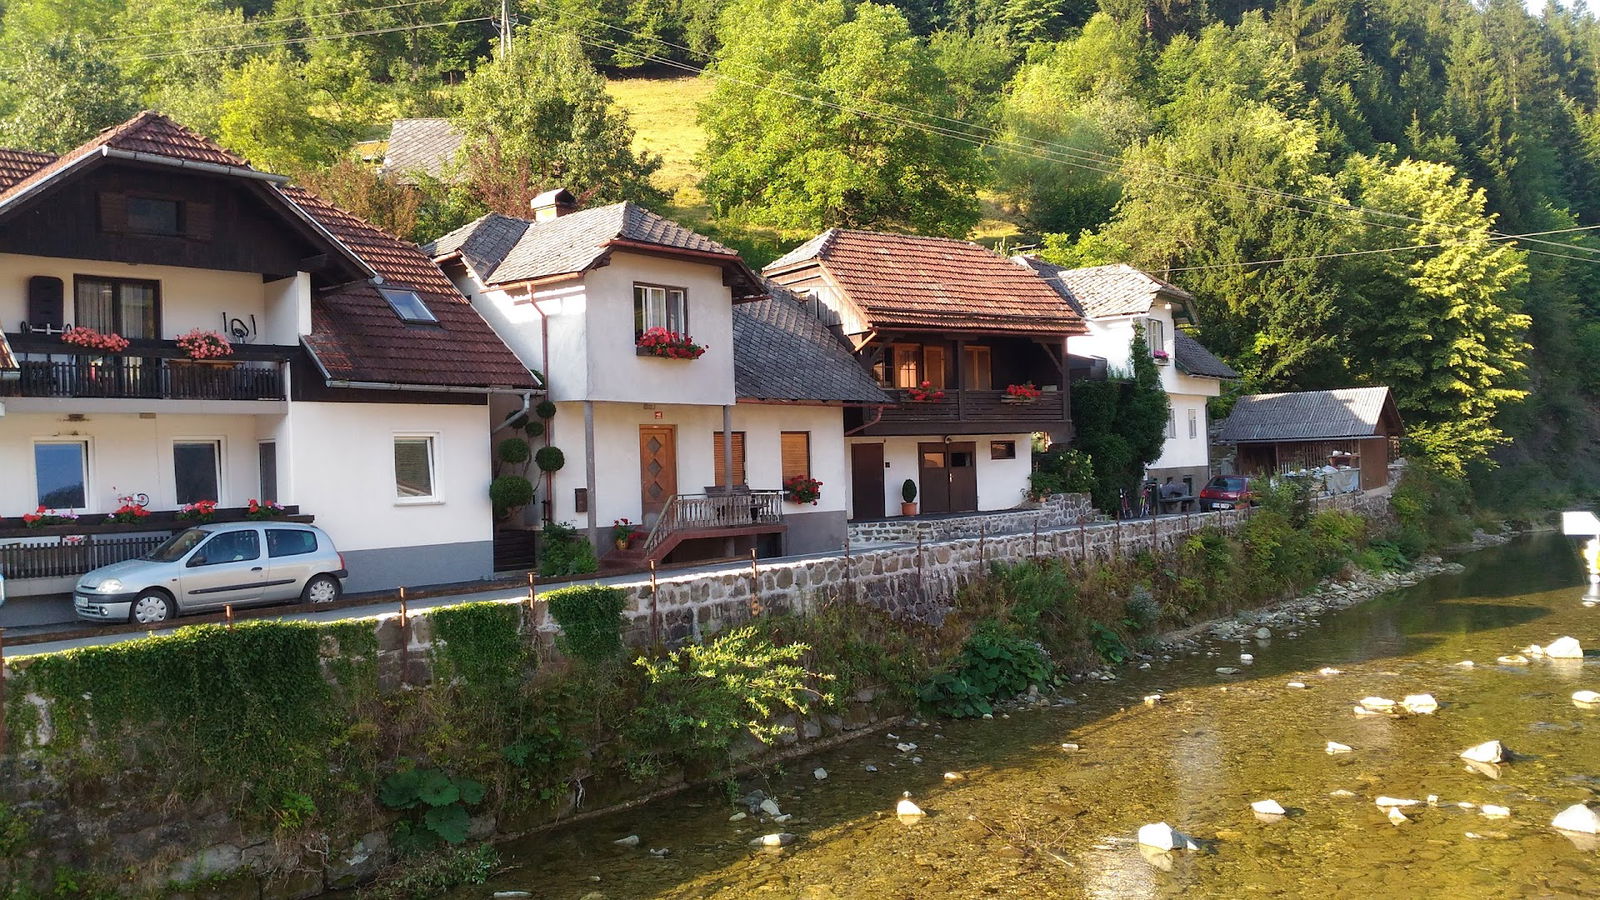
[663,115]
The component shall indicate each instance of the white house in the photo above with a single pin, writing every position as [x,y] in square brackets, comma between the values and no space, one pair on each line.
[670,368]
[356,388]
[1113,300]
[972,348]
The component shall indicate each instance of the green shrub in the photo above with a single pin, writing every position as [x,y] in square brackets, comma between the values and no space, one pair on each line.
[480,647]
[995,664]
[533,428]
[1141,610]
[509,492]
[1061,471]
[439,802]
[550,459]
[908,491]
[434,873]
[563,552]
[545,410]
[1108,643]
[513,451]
[590,617]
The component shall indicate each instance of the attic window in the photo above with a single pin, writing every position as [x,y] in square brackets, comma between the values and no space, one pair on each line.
[408,306]
[155,215]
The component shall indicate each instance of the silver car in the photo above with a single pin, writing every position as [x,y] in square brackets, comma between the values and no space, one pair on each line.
[211,566]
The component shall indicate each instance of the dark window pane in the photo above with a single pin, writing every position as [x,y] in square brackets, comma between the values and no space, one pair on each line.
[95,307]
[194,468]
[152,215]
[407,305]
[232,546]
[290,542]
[59,474]
[269,471]
[413,467]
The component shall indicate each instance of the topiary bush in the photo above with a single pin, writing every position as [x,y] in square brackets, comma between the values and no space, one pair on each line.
[590,617]
[545,410]
[550,459]
[533,429]
[513,451]
[509,492]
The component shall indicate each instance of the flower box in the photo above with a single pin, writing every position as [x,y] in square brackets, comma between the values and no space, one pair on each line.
[664,344]
[1021,393]
[924,393]
[801,489]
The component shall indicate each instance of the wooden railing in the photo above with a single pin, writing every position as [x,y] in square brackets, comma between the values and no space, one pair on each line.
[980,406]
[690,512]
[67,558]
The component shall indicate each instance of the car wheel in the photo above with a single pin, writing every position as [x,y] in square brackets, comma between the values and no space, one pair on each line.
[151,607]
[321,589]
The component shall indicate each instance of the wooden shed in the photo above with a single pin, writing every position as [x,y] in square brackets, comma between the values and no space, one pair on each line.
[1357,427]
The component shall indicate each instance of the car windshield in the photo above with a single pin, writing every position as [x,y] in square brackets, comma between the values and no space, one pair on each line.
[1227,484]
[176,546]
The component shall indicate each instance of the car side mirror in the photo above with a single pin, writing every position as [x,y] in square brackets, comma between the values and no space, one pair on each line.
[198,559]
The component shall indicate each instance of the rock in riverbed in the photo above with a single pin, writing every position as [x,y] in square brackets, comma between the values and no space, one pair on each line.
[1164,837]
[906,809]
[779,839]
[1419,704]
[1336,747]
[1268,807]
[1486,752]
[819,774]
[631,840]
[1494,812]
[1392,802]
[1578,818]
[1516,659]
[1377,704]
[1586,698]
[1227,670]
[1564,648]
[770,807]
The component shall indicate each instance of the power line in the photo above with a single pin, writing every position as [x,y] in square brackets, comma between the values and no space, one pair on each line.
[982,135]
[257,23]
[1285,259]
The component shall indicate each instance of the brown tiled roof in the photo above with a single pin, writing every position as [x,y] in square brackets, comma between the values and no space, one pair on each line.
[421,145]
[782,351]
[1307,415]
[1101,291]
[904,281]
[16,165]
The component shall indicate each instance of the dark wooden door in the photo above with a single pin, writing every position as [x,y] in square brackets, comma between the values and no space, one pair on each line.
[658,468]
[866,481]
[933,477]
[963,477]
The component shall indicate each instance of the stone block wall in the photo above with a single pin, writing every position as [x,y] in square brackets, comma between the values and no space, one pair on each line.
[1056,511]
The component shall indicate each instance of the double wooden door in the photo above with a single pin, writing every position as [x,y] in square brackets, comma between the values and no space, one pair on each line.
[948,474]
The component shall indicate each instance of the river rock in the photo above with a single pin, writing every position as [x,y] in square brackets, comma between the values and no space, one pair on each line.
[1377,704]
[1397,817]
[1363,711]
[512,895]
[819,774]
[1297,685]
[631,840]
[1069,747]
[1341,793]
[1336,747]
[1268,807]
[954,776]
[1153,699]
[1516,659]
[904,747]
[1227,670]
[1486,752]
[1329,670]
[1162,836]
[906,809]
[1246,658]
[738,817]
[1533,650]
[1494,812]
[872,768]
[1465,664]
[1586,698]
[1564,648]
[1392,802]
[1419,704]
[777,839]
[1263,634]
[1577,817]
[770,807]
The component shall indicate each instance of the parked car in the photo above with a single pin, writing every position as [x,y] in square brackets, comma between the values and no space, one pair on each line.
[1227,492]
[210,566]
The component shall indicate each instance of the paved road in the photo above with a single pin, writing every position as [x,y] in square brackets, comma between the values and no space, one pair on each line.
[390,607]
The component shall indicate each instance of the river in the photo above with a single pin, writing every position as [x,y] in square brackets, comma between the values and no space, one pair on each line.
[1029,819]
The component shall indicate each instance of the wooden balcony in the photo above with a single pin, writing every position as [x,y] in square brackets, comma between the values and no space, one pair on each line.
[700,514]
[968,412]
[147,370]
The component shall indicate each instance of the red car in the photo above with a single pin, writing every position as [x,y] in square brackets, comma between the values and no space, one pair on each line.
[1226,492]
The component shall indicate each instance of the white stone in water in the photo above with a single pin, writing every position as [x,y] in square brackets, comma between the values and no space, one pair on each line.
[631,840]
[1513,660]
[1263,633]
[1164,837]
[819,774]
[1577,817]
[1336,747]
[872,768]
[1397,817]
[1433,799]
[988,717]
[1419,704]
[783,818]
[1466,664]
[1586,697]
[779,839]
[1533,650]
[770,807]
[1564,648]
[1341,793]
[738,817]
[1153,699]
[1486,752]
[1363,711]
[1467,804]
[904,747]
[1227,670]
[954,776]
[907,809]
[1377,704]
[1268,807]
[1329,670]
[1069,747]
[1494,812]
[1297,685]
[1390,802]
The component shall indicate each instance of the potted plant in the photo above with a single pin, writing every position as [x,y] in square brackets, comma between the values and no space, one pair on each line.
[623,533]
[261,510]
[908,497]
[802,489]
[129,512]
[666,344]
[89,339]
[1022,393]
[1160,356]
[202,345]
[43,517]
[924,393]
[198,511]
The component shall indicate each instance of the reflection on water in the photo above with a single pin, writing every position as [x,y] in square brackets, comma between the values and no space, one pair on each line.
[1030,820]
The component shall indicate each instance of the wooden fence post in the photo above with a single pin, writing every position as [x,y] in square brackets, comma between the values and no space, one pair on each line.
[655,608]
[755,585]
[227,612]
[849,581]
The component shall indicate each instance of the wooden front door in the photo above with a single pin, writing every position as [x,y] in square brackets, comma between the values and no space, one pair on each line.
[948,475]
[658,469]
[866,481]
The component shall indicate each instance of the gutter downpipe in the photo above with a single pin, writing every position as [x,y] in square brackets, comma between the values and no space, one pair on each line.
[876,418]
[544,363]
[423,388]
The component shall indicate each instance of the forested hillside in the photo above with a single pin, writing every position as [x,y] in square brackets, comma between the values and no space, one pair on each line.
[1357,191]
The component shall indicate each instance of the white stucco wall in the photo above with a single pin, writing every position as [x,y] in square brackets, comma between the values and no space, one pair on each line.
[763,427]
[190,298]
[1002,483]
[339,466]
[1185,451]
[129,454]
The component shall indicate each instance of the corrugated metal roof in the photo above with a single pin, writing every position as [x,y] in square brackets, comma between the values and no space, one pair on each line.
[783,352]
[1306,415]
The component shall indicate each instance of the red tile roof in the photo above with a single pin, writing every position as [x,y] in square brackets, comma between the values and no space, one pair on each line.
[355,335]
[904,281]
[16,165]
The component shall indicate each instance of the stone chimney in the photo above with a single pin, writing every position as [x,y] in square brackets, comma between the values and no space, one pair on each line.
[553,204]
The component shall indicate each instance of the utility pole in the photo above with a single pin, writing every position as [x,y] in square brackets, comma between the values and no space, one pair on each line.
[505,28]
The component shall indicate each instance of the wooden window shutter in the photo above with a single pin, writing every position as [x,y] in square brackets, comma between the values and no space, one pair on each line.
[197,221]
[718,468]
[113,211]
[796,452]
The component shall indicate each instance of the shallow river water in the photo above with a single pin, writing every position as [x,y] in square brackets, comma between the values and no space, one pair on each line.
[1032,820]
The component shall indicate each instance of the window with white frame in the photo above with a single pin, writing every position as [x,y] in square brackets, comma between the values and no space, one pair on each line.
[197,471]
[414,468]
[61,474]
[1194,423]
[657,306]
[1172,423]
[1155,335]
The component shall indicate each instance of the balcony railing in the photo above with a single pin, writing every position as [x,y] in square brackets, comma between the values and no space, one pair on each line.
[980,406]
[152,372]
[696,512]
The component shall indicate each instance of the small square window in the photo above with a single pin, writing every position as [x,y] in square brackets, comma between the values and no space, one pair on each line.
[408,306]
[1002,449]
[155,215]
[413,469]
[659,307]
[196,471]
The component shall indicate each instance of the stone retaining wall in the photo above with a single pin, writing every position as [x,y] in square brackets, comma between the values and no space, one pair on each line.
[1056,511]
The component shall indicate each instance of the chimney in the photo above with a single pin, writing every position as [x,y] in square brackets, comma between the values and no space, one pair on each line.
[553,204]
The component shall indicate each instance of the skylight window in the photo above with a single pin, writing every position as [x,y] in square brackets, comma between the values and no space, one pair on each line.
[408,306]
